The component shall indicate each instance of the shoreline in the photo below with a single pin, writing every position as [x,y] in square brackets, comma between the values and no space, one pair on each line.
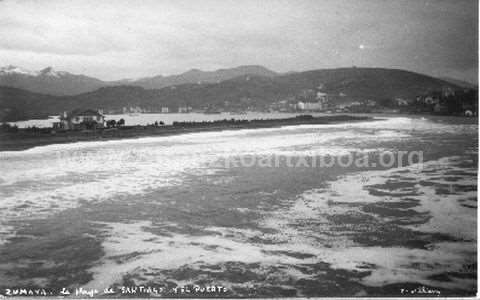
[24,139]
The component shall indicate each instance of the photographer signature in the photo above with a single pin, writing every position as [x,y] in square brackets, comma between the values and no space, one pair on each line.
[420,290]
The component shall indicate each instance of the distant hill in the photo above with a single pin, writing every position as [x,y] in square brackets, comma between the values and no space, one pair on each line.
[245,90]
[460,83]
[59,83]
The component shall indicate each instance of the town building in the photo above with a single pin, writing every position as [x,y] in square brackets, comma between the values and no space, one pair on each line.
[184,109]
[164,110]
[310,106]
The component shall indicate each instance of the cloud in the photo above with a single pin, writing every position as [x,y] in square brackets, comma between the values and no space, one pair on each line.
[129,38]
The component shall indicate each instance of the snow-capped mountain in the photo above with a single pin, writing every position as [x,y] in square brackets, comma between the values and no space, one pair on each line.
[48,81]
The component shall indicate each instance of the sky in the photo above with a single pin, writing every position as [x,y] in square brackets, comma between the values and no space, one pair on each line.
[116,39]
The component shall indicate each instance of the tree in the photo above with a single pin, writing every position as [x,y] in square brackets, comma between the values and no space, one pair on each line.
[89,124]
[121,122]
[111,123]
[5,126]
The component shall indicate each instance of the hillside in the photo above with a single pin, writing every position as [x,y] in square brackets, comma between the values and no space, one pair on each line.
[460,83]
[243,91]
[18,104]
[373,83]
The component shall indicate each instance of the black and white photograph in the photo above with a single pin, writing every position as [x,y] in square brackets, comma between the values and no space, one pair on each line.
[238,148]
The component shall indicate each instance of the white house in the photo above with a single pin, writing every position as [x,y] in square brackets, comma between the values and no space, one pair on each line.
[81,119]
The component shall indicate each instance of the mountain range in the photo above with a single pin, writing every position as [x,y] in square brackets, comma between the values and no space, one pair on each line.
[248,90]
[60,83]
